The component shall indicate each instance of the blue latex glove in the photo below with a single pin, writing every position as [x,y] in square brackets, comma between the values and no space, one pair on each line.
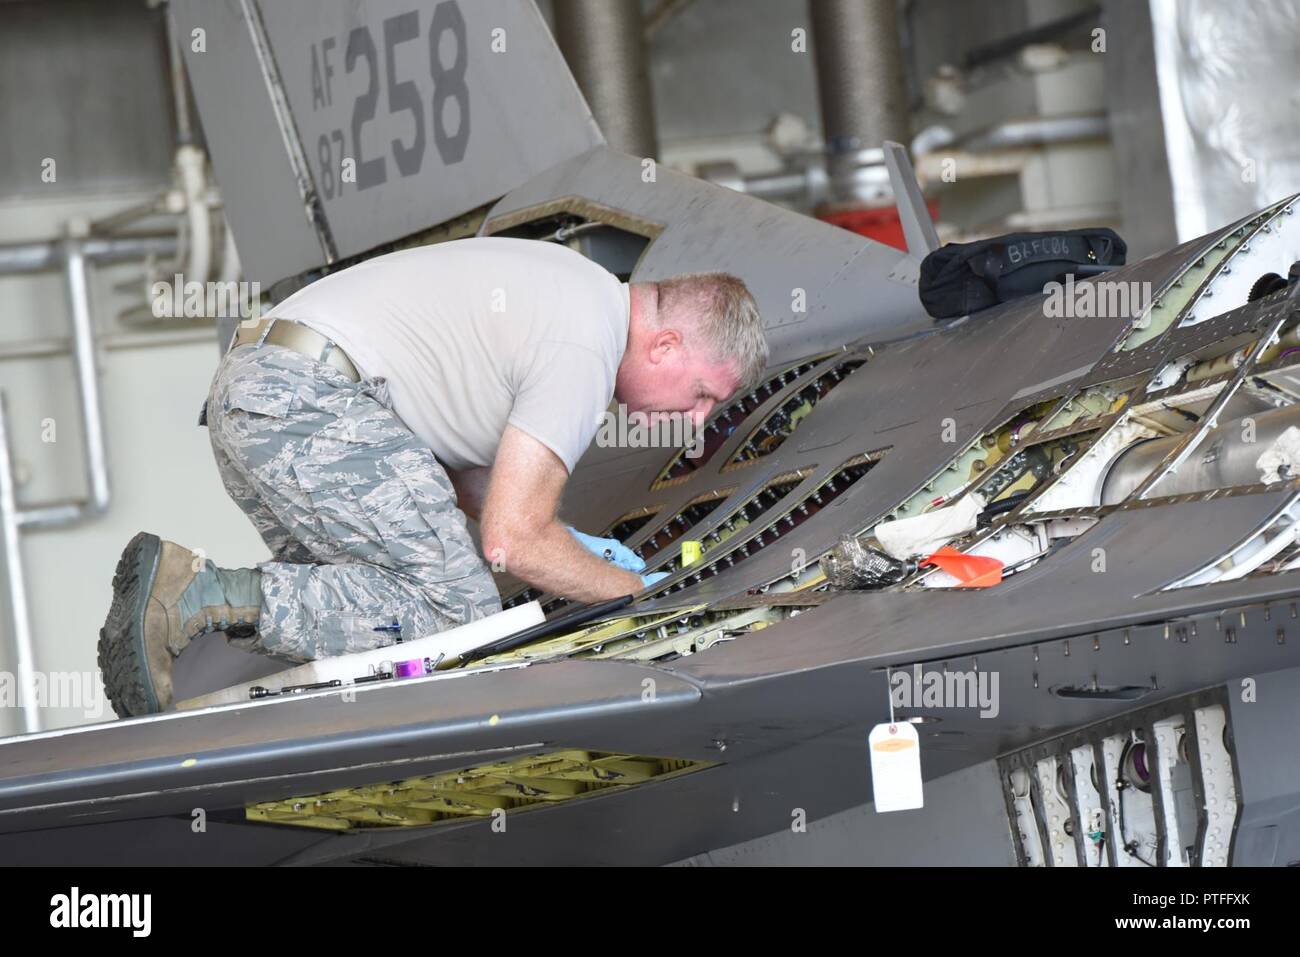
[610,549]
[654,577]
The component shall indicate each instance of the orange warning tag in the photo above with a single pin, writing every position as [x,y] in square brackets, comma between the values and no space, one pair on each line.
[971,571]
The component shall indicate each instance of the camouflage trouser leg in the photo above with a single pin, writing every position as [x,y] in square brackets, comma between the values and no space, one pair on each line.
[284,547]
[360,517]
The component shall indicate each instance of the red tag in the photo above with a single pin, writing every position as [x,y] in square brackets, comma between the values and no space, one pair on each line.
[971,571]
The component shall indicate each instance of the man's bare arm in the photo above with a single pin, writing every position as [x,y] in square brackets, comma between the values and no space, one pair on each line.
[521,531]
[471,487]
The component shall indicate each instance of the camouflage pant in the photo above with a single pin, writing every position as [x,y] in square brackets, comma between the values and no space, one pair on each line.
[361,519]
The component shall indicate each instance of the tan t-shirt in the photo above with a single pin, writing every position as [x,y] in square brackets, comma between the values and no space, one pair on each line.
[477,333]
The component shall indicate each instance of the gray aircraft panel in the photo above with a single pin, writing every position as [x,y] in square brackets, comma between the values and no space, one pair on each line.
[155,842]
[754,792]
[1264,727]
[962,824]
[831,767]
[817,285]
[759,787]
[311,743]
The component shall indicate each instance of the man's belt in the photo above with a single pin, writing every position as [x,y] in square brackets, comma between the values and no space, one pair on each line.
[295,336]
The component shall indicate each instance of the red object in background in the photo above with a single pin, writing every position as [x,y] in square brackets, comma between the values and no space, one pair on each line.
[971,571]
[880,223]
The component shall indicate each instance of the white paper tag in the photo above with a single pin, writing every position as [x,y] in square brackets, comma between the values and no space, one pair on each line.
[895,766]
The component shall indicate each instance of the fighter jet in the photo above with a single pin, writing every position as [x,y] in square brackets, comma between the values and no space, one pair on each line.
[1087,512]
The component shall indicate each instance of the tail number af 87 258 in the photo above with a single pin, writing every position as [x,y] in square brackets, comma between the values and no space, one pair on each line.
[374,67]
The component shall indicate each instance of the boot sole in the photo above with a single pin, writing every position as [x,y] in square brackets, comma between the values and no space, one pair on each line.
[123,661]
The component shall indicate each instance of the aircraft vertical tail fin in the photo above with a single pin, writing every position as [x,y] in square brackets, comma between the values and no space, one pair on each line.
[918,227]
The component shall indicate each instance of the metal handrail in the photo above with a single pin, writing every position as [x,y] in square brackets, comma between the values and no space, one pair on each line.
[75,256]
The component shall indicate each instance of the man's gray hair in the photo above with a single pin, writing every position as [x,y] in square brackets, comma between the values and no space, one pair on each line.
[725,316]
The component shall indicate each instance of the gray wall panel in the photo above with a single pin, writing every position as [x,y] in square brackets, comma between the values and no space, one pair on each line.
[56,99]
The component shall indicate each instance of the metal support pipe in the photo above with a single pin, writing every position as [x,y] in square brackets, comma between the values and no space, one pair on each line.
[76,270]
[76,282]
[806,186]
[16,586]
[180,89]
[77,279]
[157,206]
[18,258]
[860,83]
[603,42]
[1039,131]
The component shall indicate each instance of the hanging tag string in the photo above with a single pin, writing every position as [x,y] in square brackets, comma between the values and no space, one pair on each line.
[889,693]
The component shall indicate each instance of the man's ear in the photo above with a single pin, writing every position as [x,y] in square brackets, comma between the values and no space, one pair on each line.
[663,343]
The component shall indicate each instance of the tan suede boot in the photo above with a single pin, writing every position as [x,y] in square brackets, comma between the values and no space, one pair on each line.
[164,597]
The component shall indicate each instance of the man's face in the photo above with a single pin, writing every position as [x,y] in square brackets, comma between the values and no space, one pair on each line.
[669,376]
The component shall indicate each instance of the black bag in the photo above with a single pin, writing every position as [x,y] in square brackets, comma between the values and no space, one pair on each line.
[961,278]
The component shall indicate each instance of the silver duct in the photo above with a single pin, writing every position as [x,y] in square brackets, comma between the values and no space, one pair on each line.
[1226,457]
[603,42]
[861,87]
